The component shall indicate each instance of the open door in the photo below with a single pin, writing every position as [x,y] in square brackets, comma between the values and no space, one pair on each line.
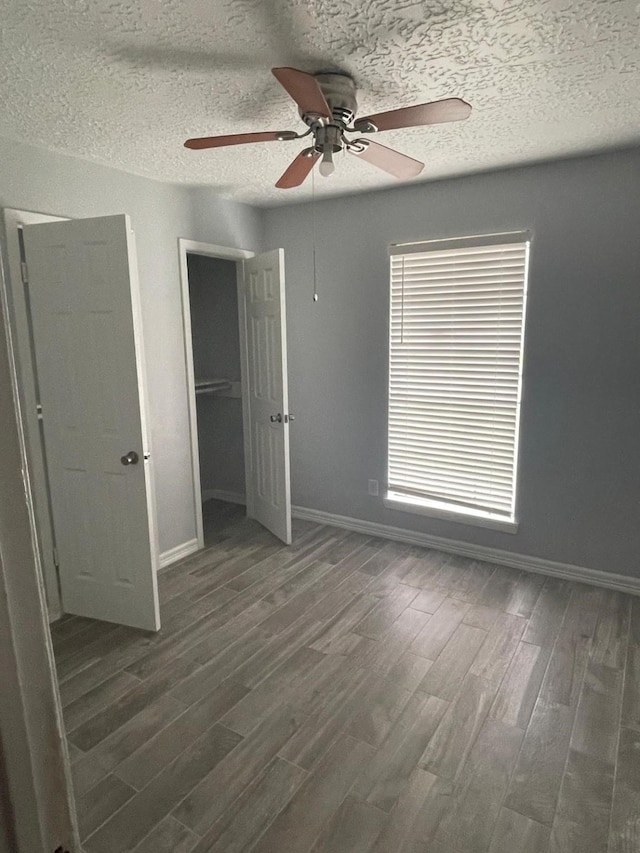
[88,351]
[267,417]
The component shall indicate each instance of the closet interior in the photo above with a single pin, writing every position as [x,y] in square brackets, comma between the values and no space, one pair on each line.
[215,334]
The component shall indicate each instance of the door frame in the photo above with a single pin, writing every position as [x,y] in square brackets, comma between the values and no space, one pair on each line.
[37,771]
[20,345]
[225,253]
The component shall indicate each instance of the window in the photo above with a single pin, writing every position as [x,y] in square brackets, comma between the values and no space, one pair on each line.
[455,367]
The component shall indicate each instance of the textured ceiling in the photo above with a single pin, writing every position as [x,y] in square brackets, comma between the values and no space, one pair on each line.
[124,82]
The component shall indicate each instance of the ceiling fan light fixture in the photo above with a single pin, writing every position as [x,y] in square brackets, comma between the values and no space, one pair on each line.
[327,166]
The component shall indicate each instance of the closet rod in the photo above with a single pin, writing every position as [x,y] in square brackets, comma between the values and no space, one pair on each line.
[212,386]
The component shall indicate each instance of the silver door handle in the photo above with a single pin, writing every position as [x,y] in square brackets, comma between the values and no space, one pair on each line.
[131,458]
[276,419]
[289,418]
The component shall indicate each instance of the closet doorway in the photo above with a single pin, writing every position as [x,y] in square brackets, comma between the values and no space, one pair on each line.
[236,370]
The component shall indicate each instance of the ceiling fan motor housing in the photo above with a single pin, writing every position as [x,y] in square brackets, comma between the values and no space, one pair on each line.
[339,91]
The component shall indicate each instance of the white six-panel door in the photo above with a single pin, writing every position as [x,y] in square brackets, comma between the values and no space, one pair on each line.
[268,478]
[86,324]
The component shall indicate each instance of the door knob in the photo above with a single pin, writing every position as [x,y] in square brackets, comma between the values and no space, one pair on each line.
[289,418]
[130,459]
[276,419]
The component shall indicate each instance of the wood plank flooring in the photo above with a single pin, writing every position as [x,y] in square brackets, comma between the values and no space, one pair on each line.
[352,695]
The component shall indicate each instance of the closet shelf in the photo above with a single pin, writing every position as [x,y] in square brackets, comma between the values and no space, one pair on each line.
[218,387]
[212,386]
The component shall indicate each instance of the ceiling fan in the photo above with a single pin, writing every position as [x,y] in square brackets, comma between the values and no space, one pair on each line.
[327,104]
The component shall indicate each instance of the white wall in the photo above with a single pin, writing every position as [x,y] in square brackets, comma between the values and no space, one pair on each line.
[579,474]
[32,179]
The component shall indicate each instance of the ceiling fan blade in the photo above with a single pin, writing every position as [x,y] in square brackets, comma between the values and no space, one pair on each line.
[239,139]
[299,169]
[450,109]
[393,162]
[304,89]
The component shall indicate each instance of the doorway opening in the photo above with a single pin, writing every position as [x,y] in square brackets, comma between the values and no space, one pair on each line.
[215,339]
[263,386]
[214,335]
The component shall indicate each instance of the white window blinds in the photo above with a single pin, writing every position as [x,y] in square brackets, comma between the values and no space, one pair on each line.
[457,318]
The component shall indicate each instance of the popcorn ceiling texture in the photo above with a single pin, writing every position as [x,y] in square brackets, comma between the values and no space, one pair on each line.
[124,83]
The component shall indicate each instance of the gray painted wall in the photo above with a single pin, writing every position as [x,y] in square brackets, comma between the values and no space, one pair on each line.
[225,223]
[213,294]
[579,473]
[32,179]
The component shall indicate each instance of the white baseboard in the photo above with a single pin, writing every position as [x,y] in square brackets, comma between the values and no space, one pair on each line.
[178,553]
[596,577]
[221,495]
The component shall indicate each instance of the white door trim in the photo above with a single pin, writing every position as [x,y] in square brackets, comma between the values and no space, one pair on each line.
[20,345]
[228,254]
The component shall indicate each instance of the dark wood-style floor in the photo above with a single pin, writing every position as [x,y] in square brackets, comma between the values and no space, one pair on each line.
[352,695]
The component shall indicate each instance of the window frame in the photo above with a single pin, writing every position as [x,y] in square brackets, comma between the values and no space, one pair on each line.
[434,508]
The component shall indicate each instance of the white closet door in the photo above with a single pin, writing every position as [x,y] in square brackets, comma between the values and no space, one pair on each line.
[268,478]
[87,336]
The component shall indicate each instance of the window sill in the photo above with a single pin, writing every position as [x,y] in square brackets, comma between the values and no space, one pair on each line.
[450,515]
